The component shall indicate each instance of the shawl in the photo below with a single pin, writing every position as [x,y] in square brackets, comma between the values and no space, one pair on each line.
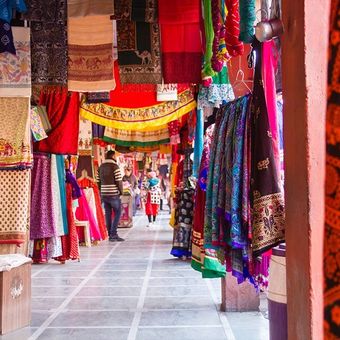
[42,218]
[15,206]
[37,127]
[46,10]
[81,8]
[49,53]
[267,191]
[138,110]
[137,138]
[85,137]
[181,40]
[15,140]
[15,70]
[90,63]
[98,97]
[332,217]
[62,189]
[144,11]
[138,43]
[199,140]
[6,38]
[63,114]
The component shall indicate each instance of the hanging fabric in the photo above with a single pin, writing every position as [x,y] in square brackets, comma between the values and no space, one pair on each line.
[15,75]
[15,206]
[6,41]
[46,10]
[81,8]
[15,141]
[90,63]
[138,42]
[63,114]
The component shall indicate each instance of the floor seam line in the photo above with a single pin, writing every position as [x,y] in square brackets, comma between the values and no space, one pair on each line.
[140,305]
[65,303]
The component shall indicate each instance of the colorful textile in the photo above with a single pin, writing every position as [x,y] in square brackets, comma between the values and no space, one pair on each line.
[138,45]
[15,140]
[81,8]
[85,162]
[88,183]
[15,70]
[219,92]
[137,138]
[98,97]
[84,213]
[181,245]
[181,40]
[7,7]
[15,206]
[37,127]
[49,53]
[62,189]
[63,114]
[85,137]
[127,112]
[332,218]
[90,63]
[144,11]
[6,38]
[173,127]
[198,146]
[267,191]
[43,223]
[46,10]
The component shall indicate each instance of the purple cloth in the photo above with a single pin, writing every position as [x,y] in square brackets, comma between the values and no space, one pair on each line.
[42,220]
[97,131]
[76,191]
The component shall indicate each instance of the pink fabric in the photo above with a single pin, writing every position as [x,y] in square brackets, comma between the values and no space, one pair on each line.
[268,75]
[84,213]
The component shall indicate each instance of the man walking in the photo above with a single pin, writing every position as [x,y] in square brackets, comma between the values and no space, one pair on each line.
[111,187]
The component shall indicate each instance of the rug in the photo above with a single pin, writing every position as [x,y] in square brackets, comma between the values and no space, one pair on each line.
[90,47]
[138,44]
[15,140]
[15,70]
[14,207]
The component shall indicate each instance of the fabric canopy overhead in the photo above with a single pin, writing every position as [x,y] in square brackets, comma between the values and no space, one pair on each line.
[181,40]
[132,110]
[137,138]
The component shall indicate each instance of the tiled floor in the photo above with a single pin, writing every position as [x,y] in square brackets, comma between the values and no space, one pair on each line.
[132,290]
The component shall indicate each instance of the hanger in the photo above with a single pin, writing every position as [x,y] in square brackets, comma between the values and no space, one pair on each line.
[239,80]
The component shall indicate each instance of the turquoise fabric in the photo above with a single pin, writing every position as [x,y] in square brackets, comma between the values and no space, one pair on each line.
[62,189]
[198,146]
[7,7]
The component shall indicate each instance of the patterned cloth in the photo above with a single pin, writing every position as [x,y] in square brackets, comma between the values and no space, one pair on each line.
[14,207]
[138,44]
[37,127]
[145,11]
[85,137]
[46,10]
[82,8]
[97,97]
[267,191]
[43,223]
[15,70]
[137,138]
[90,62]
[15,140]
[49,53]
[332,218]
[6,38]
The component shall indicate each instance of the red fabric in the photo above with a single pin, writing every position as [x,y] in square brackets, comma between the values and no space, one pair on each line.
[234,46]
[181,40]
[135,99]
[63,114]
[70,242]
[88,183]
[178,11]
[150,208]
